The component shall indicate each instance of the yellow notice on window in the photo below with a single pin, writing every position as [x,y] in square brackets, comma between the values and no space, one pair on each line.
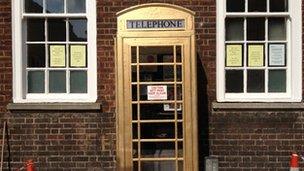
[78,55]
[234,55]
[255,55]
[57,55]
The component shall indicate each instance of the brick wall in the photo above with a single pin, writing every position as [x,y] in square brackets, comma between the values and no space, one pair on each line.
[256,140]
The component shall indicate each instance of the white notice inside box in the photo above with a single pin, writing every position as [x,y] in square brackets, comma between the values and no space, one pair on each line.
[158,92]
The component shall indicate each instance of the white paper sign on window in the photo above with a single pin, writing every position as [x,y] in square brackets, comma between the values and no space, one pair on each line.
[277,54]
[158,92]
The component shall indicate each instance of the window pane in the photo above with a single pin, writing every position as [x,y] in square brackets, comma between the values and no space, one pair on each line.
[235,5]
[277,81]
[257,5]
[156,54]
[78,29]
[255,81]
[158,73]
[33,6]
[234,29]
[54,6]
[255,29]
[134,54]
[155,111]
[76,6]
[78,82]
[178,54]
[278,5]
[234,81]
[277,29]
[36,55]
[157,149]
[56,30]
[57,82]
[35,82]
[157,130]
[158,165]
[35,30]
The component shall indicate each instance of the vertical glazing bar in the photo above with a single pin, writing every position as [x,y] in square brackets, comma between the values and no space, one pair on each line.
[175,108]
[266,53]
[138,108]
[46,38]
[245,55]
[67,53]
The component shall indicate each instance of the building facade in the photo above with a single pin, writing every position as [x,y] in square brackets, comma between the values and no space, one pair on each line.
[151,85]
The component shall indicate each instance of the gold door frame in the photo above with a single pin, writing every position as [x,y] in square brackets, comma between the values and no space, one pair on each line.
[144,37]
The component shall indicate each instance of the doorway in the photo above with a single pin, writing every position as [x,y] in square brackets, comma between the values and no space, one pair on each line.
[156,101]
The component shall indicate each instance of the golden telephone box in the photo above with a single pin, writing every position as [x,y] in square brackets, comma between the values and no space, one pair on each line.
[156,89]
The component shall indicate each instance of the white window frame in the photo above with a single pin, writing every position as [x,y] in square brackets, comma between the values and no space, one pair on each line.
[294,66]
[19,81]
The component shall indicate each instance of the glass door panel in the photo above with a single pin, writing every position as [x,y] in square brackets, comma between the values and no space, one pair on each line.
[157,108]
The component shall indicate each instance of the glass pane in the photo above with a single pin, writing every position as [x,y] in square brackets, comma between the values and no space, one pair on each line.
[234,81]
[234,29]
[157,149]
[180,149]
[134,111]
[158,166]
[235,5]
[135,150]
[33,6]
[180,165]
[257,5]
[76,6]
[180,130]
[157,130]
[255,29]
[57,82]
[156,54]
[78,29]
[134,54]
[277,29]
[78,82]
[255,81]
[277,81]
[56,30]
[54,6]
[155,111]
[178,54]
[36,55]
[156,73]
[278,5]
[135,166]
[134,92]
[135,131]
[179,111]
[35,82]
[179,92]
[35,30]
[179,75]
[134,74]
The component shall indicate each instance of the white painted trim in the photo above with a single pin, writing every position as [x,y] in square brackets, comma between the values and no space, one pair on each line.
[19,90]
[294,73]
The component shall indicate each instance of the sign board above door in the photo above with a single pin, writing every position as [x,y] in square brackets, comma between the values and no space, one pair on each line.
[156,24]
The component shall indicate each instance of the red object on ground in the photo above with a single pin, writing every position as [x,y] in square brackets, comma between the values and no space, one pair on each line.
[30,165]
[294,161]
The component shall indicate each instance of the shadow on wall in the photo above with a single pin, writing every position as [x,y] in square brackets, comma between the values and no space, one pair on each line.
[203,119]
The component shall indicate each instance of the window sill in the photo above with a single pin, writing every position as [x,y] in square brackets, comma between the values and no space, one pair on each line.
[54,106]
[257,106]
